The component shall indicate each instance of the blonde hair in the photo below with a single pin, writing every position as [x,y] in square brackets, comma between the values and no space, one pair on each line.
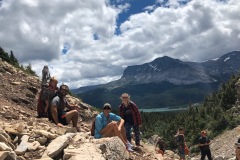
[125,95]
[53,79]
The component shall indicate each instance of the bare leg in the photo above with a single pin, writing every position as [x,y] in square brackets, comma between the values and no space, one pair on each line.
[123,132]
[72,116]
[113,131]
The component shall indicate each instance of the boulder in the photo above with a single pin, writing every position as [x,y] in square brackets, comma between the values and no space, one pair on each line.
[57,145]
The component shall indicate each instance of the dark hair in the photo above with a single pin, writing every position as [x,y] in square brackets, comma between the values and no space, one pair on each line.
[180,129]
[65,87]
[238,140]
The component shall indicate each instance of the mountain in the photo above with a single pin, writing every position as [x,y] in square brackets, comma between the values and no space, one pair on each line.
[165,82]
[179,72]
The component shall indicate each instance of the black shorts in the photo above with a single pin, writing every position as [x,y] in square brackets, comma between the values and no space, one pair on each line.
[62,118]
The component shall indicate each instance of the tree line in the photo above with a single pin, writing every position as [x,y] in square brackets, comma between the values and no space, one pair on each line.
[11,59]
[215,115]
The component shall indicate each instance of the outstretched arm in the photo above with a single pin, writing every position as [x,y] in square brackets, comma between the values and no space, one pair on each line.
[120,124]
[54,115]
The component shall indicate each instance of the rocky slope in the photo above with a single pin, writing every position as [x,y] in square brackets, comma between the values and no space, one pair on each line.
[25,137]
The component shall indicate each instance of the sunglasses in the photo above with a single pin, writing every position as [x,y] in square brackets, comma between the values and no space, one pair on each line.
[106,108]
[124,97]
[65,90]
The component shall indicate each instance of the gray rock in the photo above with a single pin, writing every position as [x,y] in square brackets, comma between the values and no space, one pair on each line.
[115,149]
[22,148]
[57,145]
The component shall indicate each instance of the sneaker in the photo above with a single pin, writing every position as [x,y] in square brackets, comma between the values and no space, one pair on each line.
[129,148]
[128,143]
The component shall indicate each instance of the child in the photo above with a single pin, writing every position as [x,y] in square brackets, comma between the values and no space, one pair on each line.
[180,139]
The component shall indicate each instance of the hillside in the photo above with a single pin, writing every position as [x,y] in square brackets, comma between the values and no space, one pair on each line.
[23,136]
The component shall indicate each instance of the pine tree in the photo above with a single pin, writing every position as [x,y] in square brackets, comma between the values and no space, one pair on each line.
[29,69]
[13,59]
[4,55]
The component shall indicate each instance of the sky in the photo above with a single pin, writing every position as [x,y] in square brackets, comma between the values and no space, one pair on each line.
[89,42]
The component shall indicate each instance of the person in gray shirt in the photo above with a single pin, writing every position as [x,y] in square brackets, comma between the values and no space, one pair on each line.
[60,116]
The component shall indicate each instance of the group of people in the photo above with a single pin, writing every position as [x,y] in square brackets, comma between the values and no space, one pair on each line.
[52,103]
[108,124]
[203,144]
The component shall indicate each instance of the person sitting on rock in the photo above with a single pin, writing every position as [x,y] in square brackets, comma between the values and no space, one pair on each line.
[46,95]
[160,146]
[108,124]
[237,149]
[60,116]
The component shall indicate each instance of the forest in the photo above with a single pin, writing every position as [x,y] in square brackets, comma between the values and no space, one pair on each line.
[214,115]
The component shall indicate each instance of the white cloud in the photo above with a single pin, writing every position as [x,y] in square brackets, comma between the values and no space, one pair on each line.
[38,30]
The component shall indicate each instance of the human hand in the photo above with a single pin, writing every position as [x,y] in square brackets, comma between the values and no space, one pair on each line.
[60,125]
[119,128]
[114,122]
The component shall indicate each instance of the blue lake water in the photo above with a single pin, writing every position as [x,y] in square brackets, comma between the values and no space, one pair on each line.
[162,109]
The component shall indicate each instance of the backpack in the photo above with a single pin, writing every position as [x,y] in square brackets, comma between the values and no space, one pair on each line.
[45,74]
[93,127]
[41,104]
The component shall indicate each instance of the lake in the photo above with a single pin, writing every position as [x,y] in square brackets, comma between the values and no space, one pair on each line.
[162,109]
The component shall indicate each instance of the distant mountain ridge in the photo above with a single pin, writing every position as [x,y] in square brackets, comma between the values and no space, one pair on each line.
[179,72]
[166,71]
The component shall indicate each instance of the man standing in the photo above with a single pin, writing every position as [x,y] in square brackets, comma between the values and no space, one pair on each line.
[59,115]
[131,115]
[203,144]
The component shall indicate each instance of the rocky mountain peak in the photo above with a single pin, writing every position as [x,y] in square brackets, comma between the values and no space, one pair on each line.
[179,72]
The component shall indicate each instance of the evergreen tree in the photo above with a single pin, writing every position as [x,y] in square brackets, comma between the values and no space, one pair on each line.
[13,59]
[4,55]
[29,69]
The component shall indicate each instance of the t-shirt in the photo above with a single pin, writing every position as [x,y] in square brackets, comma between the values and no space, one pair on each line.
[180,139]
[60,103]
[102,121]
[203,140]
[128,117]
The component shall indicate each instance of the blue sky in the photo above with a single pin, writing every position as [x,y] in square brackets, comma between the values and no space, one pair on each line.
[139,6]
[92,42]
[135,6]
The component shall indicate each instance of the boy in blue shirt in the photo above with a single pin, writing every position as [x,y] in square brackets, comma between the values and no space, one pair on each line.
[108,124]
